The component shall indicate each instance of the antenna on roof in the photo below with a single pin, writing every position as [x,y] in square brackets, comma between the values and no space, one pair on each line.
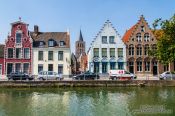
[19,18]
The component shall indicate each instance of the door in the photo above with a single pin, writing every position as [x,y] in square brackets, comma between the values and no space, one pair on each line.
[154,68]
[131,67]
[104,67]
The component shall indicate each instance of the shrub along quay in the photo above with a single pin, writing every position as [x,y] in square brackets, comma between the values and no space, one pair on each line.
[88,83]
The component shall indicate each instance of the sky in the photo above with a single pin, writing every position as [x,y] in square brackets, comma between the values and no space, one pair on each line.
[87,15]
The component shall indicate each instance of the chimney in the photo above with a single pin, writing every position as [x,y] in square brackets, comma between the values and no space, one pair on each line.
[36,28]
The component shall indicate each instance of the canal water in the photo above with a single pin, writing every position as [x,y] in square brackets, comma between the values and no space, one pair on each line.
[126,101]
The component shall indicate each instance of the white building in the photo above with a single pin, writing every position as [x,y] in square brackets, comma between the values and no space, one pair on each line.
[51,52]
[107,51]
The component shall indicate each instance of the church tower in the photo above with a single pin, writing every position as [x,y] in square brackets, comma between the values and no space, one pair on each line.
[79,46]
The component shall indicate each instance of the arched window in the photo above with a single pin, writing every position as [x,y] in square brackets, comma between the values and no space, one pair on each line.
[147,65]
[146,37]
[138,37]
[154,47]
[131,49]
[139,50]
[146,49]
[139,65]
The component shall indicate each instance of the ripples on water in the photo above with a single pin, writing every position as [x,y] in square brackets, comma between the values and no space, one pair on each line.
[87,102]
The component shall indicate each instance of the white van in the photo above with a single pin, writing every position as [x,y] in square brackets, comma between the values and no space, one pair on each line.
[121,75]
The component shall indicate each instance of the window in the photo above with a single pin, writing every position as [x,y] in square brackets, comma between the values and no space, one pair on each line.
[146,49]
[139,37]
[40,55]
[18,67]
[147,66]
[104,39]
[131,50]
[120,65]
[120,52]
[112,65]
[60,69]
[18,37]
[139,66]
[146,37]
[60,55]
[131,66]
[139,50]
[104,52]
[51,43]
[111,39]
[96,52]
[166,67]
[0,69]
[142,28]
[62,43]
[40,67]
[26,53]
[112,52]
[26,68]
[50,67]
[18,52]
[41,43]
[10,52]
[50,55]
[154,47]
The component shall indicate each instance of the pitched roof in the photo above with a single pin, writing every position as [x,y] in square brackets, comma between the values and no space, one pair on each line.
[80,37]
[46,36]
[128,33]
[2,50]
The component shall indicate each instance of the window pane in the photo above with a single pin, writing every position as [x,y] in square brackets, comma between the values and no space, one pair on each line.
[104,52]
[50,67]
[50,55]
[96,52]
[40,67]
[10,52]
[120,52]
[60,69]
[26,68]
[40,55]
[112,52]
[26,53]
[18,52]
[104,39]
[111,39]
[18,67]
[18,37]
[60,55]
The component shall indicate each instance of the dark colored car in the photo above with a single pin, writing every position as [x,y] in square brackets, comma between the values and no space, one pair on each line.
[19,76]
[86,76]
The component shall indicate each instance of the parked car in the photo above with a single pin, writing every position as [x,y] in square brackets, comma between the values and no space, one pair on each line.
[121,75]
[167,75]
[49,75]
[19,76]
[86,76]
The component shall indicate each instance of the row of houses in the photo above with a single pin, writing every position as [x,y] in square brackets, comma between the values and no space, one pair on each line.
[35,51]
[109,50]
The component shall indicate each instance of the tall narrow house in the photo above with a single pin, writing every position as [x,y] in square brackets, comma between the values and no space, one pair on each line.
[18,49]
[139,39]
[107,51]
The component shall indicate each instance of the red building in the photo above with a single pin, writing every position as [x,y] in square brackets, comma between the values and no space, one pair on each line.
[17,50]
[1,60]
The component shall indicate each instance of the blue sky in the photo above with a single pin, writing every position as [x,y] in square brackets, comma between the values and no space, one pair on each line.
[89,15]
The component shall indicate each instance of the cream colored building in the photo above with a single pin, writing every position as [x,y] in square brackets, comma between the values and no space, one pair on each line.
[51,52]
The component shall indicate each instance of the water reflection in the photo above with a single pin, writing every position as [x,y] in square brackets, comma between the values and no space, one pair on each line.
[86,101]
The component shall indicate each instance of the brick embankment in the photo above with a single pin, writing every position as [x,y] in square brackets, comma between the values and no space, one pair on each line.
[87,83]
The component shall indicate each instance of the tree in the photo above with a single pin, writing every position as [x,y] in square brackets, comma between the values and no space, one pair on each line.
[165,52]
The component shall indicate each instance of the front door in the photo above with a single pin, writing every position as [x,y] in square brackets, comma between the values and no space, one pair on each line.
[154,68]
[104,67]
[131,67]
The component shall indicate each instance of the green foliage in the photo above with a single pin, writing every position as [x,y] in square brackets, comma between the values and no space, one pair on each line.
[166,42]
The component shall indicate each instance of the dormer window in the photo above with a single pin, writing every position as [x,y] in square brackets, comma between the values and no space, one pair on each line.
[18,37]
[41,43]
[51,43]
[62,43]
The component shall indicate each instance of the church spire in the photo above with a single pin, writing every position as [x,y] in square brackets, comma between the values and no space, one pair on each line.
[80,37]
